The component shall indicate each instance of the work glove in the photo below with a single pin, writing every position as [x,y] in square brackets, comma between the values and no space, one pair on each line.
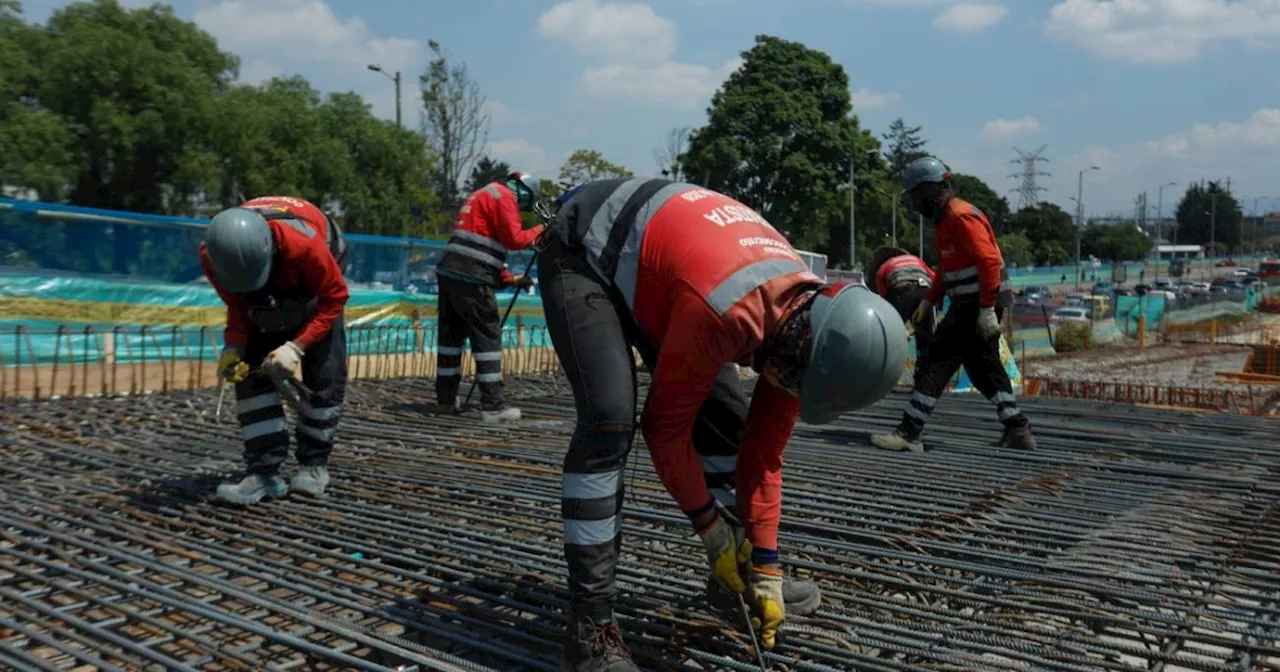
[523,282]
[286,360]
[768,610]
[231,367]
[988,325]
[923,312]
[724,554]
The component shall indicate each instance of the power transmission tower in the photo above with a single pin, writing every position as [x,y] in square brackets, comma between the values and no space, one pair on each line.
[1029,191]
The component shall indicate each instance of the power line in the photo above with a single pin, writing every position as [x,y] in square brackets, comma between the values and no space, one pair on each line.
[1029,191]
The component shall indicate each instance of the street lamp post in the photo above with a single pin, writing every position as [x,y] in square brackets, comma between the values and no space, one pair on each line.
[1160,219]
[1080,219]
[396,79]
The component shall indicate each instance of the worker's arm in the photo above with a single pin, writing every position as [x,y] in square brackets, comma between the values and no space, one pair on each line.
[977,241]
[688,362]
[769,424]
[937,289]
[509,227]
[323,277]
[506,277]
[236,333]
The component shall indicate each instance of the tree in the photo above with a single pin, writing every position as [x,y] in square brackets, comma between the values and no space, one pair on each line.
[485,171]
[667,155]
[1049,228]
[1208,213]
[1016,248]
[975,191]
[904,146]
[779,137]
[455,122]
[1049,253]
[585,165]
[1115,243]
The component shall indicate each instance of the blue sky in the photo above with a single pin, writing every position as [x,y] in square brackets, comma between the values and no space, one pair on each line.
[1151,91]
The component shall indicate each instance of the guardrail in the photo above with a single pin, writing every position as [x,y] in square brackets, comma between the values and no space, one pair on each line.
[69,362]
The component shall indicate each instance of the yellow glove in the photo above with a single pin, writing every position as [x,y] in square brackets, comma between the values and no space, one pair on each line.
[723,554]
[231,367]
[767,608]
[286,359]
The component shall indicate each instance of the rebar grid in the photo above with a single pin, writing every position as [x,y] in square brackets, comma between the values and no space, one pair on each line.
[1133,539]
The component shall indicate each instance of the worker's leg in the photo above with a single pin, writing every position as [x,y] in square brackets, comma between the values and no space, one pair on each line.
[935,365]
[260,412]
[593,348]
[484,328]
[451,332]
[986,372]
[324,372]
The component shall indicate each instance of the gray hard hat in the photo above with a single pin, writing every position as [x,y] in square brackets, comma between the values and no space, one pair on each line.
[240,247]
[858,351]
[922,170]
[526,188]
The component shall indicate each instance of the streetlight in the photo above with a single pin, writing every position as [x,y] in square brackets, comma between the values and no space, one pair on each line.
[853,227]
[1160,219]
[1080,219]
[396,79]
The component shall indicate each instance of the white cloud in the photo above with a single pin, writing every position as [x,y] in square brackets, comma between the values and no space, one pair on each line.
[633,47]
[864,99]
[614,31]
[1008,129]
[521,154]
[970,17]
[1162,31]
[265,34]
[682,84]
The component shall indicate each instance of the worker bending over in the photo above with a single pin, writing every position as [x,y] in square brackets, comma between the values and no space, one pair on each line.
[696,282]
[275,263]
[970,266]
[472,266]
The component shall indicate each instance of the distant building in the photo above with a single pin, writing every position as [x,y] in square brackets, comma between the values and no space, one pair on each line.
[1180,251]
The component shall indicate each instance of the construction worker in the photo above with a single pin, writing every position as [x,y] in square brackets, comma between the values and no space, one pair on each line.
[275,263]
[472,266]
[970,266]
[697,282]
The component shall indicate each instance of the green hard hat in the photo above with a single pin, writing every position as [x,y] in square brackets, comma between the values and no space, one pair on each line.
[240,247]
[922,170]
[525,187]
[858,351]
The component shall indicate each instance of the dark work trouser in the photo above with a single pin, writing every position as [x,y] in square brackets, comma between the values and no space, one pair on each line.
[956,343]
[468,310]
[260,409]
[593,339]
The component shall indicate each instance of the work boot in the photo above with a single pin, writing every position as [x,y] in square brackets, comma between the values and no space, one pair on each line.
[799,598]
[1017,438]
[253,488]
[500,415]
[311,479]
[900,440]
[595,648]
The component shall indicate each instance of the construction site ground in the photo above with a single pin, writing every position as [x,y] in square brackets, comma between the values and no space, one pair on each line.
[1132,539]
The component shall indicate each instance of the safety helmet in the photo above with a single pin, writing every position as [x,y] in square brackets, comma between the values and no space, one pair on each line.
[857,352]
[525,187]
[922,170]
[240,247]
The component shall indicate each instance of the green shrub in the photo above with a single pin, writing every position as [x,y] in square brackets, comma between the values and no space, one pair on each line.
[1073,337]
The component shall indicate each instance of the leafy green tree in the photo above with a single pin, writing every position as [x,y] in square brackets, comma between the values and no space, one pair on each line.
[1049,253]
[975,191]
[904,145]
[1208,212]
[1115,243]
[1016,248]
[485,171]
[455,122]
[585,165]
[779,137]
[1045,224]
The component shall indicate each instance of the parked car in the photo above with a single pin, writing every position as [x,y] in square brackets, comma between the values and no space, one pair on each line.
[1074,299]
[1036,293]
[1163,283]
[1104,288]
[1226,263]
[1072,314]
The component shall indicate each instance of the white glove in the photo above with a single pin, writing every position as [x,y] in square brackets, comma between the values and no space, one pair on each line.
[988,325]
[286,359]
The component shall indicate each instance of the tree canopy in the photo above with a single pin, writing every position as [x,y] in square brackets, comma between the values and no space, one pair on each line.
[585,165]
[1120,242]
[1051,231]
[485,171]
[975,191]
[904,145]
[1209,213]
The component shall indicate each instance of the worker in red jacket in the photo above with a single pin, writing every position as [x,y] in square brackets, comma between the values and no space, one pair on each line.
[970,266]
[697,282]
[472,266]
[275,263]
